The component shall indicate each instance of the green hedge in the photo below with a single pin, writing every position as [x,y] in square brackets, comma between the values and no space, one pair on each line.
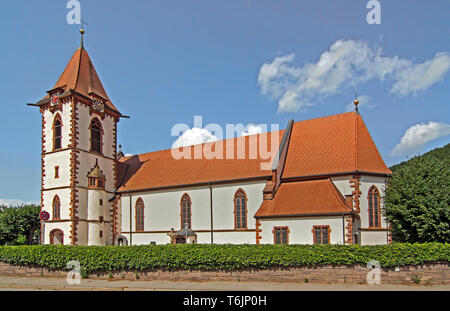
[223,257]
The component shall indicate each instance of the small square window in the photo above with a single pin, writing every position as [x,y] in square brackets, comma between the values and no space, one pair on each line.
[281,235]
[101,202]
[101,234]
[56,171]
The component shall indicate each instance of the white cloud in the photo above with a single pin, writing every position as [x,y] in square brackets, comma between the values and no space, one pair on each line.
[418,135]
[252,129]
[365,102]
[419,77]
[346,63]
[194,136]
[14,202]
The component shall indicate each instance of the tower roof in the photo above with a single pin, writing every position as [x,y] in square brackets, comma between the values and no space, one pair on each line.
[81,77]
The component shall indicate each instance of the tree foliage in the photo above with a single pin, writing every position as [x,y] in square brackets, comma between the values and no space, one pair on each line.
[19,225]
[417,201]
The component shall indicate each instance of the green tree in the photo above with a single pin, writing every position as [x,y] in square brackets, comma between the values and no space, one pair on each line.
[18,225]
[417,201]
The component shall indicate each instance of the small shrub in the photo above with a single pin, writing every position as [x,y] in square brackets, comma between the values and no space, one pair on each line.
[416,278]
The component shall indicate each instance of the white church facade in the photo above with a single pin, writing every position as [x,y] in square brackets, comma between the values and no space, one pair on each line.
[325,187]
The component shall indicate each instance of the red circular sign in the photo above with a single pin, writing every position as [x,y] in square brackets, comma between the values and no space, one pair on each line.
[44,215]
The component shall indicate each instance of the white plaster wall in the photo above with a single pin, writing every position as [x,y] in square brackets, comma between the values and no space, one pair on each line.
[366,183]
[82,233]
[162,212]
[87,163]
[373,237]
[95,211]
[300,229]
[49,116]
[94,229]
[61,159]
[82,210]
[63,226]
[64,197]
[342,183]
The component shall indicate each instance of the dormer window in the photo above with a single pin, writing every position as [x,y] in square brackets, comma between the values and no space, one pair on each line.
[96,179]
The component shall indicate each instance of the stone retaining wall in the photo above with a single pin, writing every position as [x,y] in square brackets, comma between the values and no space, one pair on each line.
[432,274]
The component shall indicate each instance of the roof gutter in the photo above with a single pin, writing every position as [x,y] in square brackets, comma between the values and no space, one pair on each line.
[198,184]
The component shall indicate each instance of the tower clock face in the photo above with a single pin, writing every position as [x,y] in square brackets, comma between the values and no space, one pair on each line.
[98,105]
[54,100]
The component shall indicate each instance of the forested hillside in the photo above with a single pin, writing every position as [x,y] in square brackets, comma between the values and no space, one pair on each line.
[417,201]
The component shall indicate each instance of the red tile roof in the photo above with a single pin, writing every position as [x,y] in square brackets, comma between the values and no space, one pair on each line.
[322,146]
[330,145]
[304,198]
[81,76]
[159,169]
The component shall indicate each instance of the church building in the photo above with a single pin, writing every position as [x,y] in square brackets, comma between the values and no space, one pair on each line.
[326,185]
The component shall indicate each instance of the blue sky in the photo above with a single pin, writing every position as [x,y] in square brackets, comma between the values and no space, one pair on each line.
[236,61]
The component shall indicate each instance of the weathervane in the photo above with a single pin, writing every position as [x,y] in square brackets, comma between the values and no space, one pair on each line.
[356,101]
[83,22]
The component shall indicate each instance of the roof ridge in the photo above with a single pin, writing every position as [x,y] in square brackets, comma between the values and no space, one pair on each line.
[79,67]
[334,116]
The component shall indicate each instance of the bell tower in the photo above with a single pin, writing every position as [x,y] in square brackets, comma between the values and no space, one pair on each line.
[79,157]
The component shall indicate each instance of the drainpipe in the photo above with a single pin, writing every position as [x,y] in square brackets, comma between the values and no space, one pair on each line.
[343,228]
[131,226]
[211,208]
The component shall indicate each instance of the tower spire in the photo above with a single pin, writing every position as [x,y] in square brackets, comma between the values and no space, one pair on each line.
[356,102]
[82,34]
[83,22]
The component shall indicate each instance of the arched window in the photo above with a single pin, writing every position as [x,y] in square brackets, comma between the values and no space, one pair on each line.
[96,136]
[374,208]
[186,211]
[56,208]
[139,215]
[240,210]
[56,237]
[57,132]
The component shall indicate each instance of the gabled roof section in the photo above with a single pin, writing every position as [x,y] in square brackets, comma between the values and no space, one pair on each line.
[304,198]
[160,169]
[81,77]
[324,146]
[96,172]
[332,145]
